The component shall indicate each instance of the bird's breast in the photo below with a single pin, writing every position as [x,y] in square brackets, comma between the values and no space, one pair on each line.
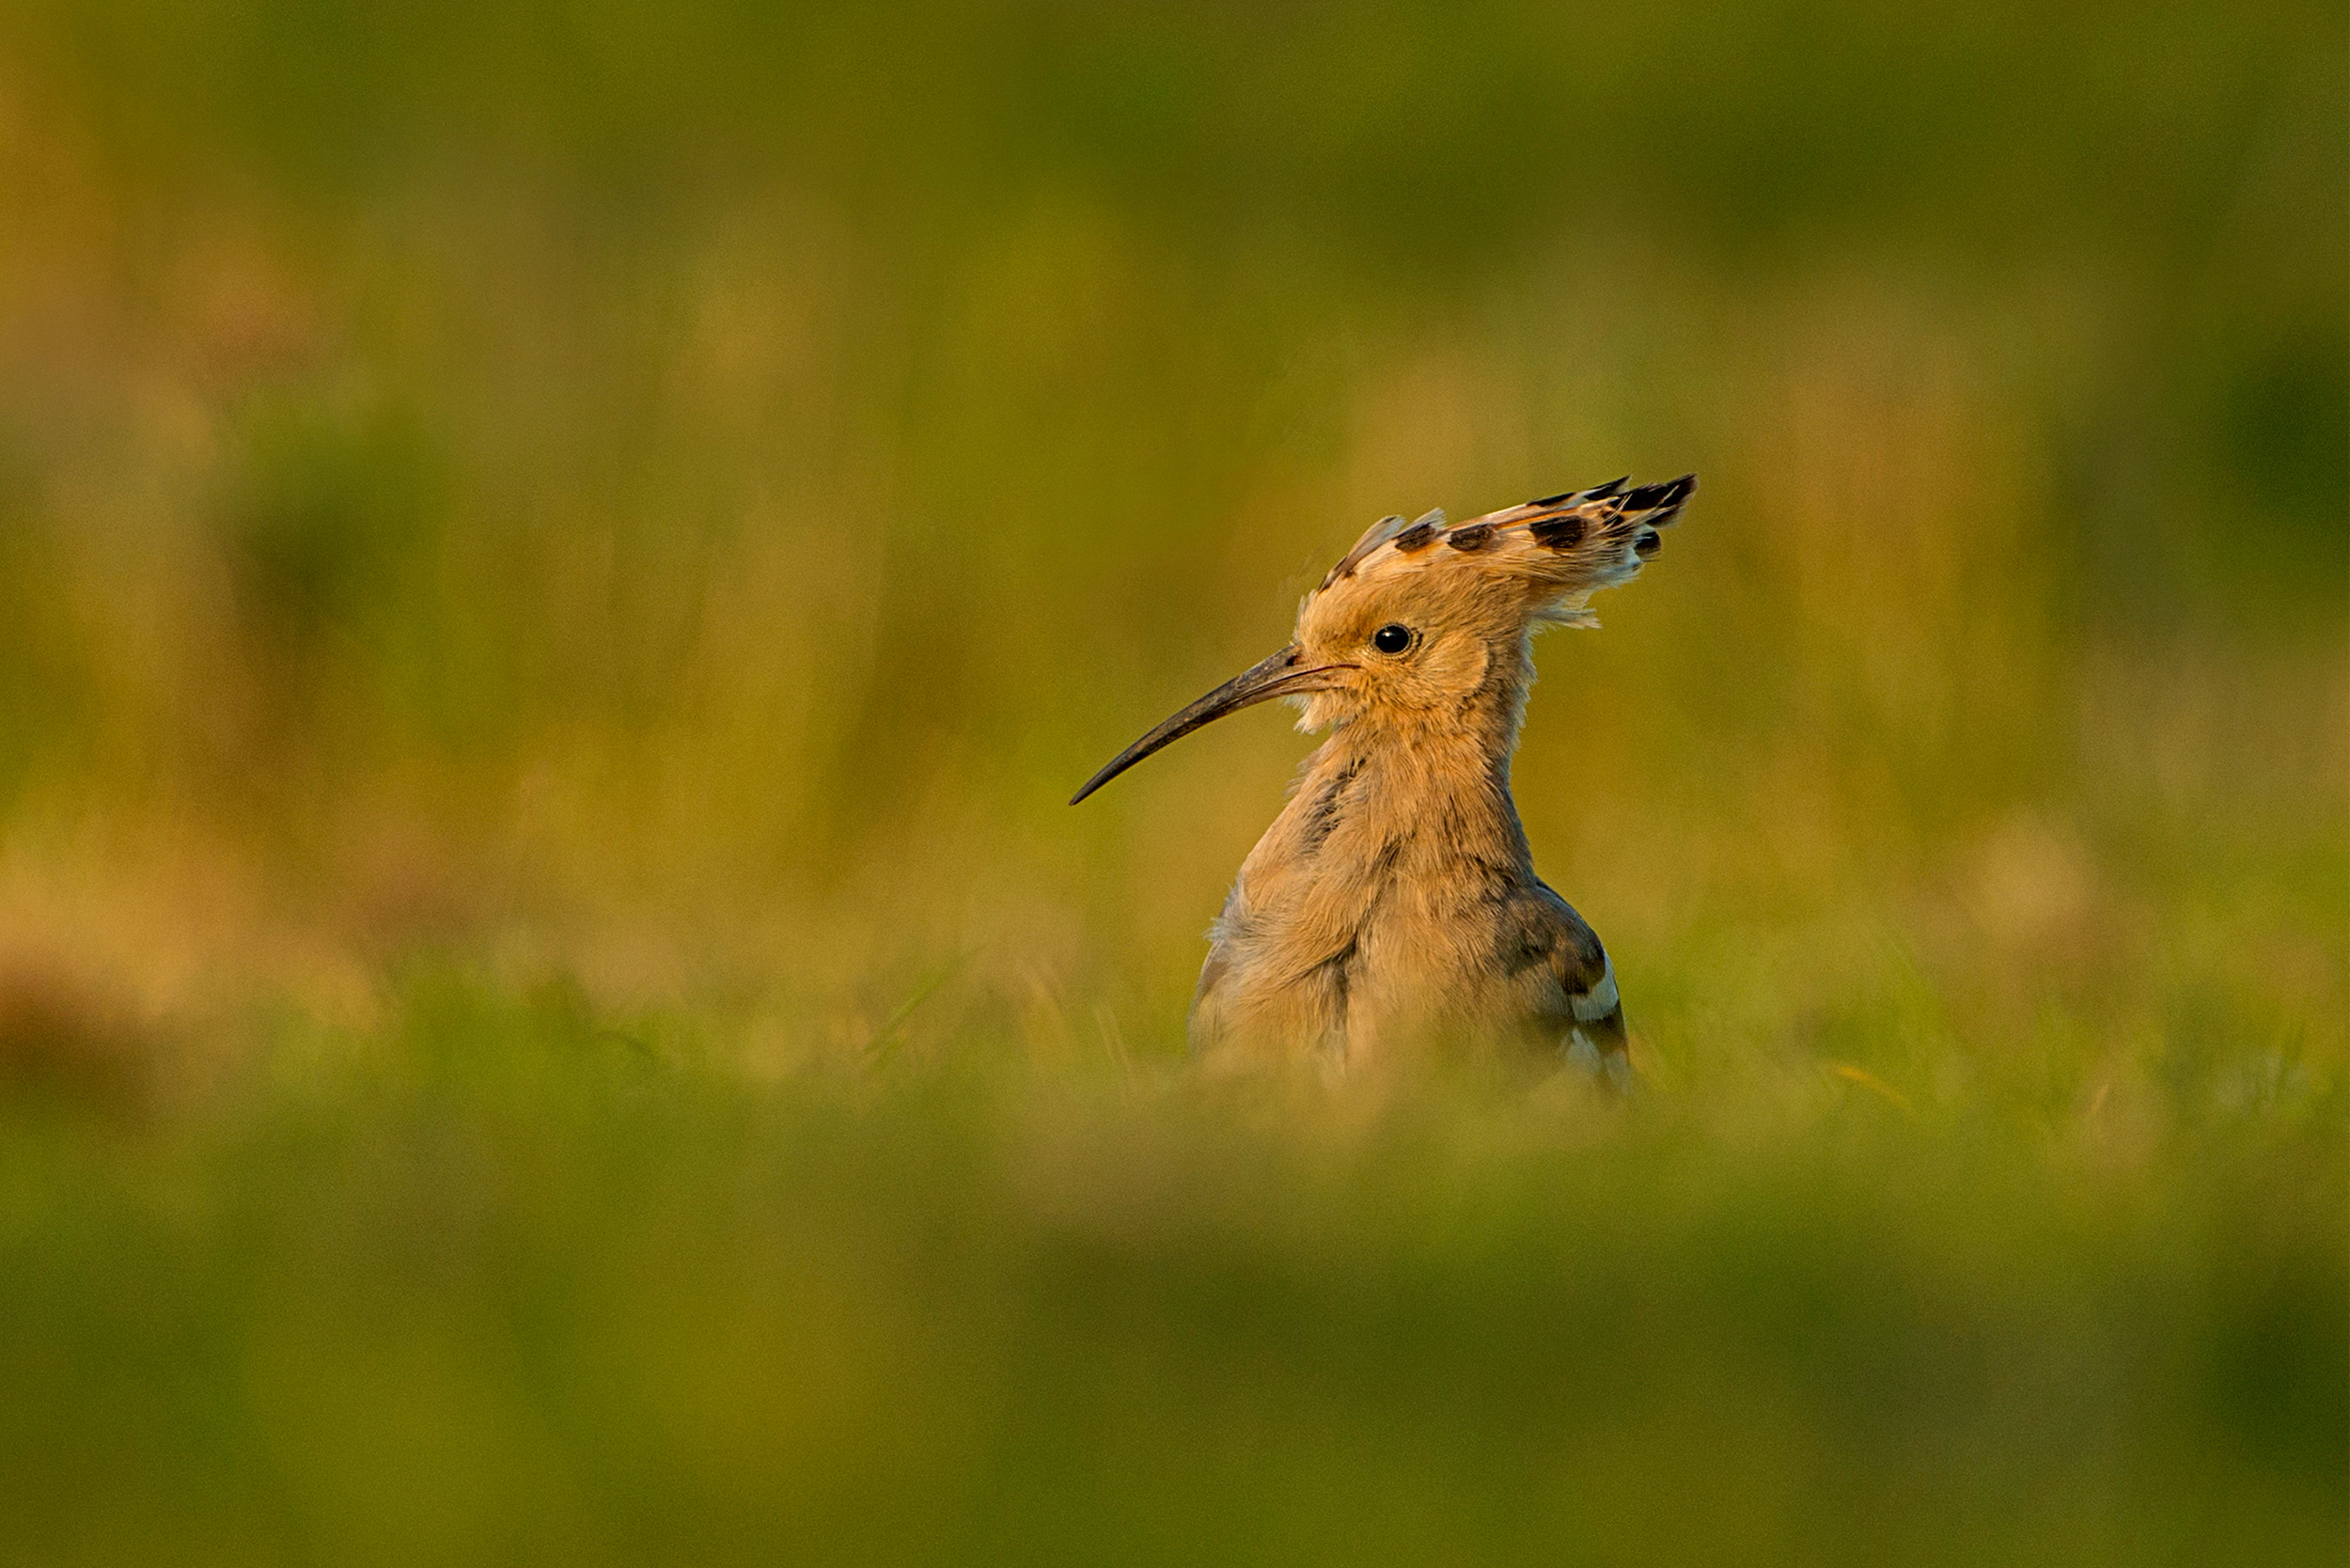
[1352,968]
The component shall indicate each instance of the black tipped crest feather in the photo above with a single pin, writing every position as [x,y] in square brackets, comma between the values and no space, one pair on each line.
[1563,549]
[1566,547]
[1557,533]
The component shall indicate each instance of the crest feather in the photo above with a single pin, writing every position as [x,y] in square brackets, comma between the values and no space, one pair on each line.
[1561,548]
[1373,537]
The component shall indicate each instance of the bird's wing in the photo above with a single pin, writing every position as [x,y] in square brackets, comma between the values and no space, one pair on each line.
[1590,1011]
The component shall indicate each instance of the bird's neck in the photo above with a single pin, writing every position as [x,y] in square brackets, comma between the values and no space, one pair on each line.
[1420,799]
[1379,885]
[1401,796]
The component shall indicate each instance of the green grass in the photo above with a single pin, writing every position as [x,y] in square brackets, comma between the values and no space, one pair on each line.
[505,1280]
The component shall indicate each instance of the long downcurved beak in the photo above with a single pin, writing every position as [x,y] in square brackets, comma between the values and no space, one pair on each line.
[1278,676]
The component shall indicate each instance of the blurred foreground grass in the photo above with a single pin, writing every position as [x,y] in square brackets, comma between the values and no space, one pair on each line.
[511,1281]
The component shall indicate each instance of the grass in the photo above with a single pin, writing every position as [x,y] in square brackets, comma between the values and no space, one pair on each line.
[502,1280]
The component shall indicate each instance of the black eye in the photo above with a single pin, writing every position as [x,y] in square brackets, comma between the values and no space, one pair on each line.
[1394,637]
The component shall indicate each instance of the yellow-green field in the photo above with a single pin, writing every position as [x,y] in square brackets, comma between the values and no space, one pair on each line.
[560,561]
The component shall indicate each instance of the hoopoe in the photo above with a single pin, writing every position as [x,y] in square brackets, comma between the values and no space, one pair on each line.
[1394,899]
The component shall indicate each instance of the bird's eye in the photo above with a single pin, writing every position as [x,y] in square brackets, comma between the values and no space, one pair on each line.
[1394,637]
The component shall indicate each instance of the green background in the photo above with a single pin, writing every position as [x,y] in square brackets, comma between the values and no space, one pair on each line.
[560,561]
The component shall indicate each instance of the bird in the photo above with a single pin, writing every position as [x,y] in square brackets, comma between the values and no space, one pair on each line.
[1393,903]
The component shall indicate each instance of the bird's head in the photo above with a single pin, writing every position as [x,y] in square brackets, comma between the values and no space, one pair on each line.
[1414,622]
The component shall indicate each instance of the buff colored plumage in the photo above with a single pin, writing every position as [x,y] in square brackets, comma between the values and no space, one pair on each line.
[1393,902]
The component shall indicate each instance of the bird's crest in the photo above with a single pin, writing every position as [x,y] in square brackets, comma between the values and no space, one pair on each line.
[1559,549]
